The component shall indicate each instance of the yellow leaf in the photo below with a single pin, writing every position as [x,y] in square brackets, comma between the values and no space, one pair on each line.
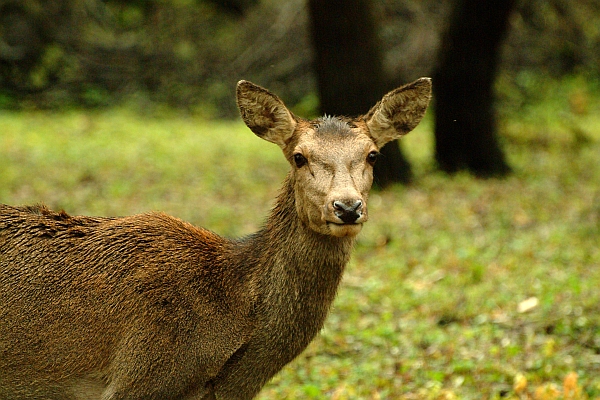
[528,304]
[548,392]
[520,384]
[570,385]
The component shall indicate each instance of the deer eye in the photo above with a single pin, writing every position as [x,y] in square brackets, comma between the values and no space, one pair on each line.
[300,160]
[372,157]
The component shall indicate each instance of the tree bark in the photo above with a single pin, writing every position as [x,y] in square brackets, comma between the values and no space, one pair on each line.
[465,125]
[350,77]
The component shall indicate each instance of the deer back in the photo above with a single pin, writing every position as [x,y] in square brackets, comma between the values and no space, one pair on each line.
[76,291]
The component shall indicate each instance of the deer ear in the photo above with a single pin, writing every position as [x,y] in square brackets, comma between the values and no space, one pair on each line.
[399,111]
[264,113]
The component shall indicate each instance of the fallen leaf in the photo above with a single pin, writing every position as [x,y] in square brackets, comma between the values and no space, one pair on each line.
[528,304]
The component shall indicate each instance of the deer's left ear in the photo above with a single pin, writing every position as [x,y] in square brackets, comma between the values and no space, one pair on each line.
[264,113]
[399,111]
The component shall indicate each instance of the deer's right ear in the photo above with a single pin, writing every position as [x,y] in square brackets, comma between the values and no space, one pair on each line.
[264,113]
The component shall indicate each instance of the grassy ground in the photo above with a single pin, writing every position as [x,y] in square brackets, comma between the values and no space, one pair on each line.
[458,288]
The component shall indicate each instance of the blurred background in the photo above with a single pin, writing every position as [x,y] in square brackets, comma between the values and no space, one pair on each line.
[190,53]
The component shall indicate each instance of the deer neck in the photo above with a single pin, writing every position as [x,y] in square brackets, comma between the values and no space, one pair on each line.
[302,268]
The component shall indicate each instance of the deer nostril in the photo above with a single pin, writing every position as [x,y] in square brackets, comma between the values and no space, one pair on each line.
[347,213]
[338,206]
[341,206]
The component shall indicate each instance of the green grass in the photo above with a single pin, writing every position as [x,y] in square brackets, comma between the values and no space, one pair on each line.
[429,306]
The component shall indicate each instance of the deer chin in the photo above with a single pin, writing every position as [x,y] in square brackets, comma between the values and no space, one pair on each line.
[344,230]
[335,229]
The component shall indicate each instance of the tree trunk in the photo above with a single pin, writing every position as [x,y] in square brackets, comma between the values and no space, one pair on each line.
[349,70]
[465,126]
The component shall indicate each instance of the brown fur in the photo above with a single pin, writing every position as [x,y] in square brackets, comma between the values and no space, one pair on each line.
[151,307]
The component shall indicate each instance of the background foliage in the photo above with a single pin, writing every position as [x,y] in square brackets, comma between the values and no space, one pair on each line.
[190,53]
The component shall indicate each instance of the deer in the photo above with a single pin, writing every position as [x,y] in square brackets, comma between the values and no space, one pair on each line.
[151,307]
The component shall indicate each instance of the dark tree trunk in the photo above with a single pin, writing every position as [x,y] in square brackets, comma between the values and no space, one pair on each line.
[349,70]
[465,126]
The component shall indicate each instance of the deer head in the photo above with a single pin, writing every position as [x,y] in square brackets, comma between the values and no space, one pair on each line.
[332,158]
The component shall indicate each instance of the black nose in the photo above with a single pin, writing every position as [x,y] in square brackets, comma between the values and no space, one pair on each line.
[347,211]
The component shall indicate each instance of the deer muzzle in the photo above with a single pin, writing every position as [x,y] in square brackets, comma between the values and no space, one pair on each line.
[348,211]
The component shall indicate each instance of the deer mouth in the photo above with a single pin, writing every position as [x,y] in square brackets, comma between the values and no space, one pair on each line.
[342,229]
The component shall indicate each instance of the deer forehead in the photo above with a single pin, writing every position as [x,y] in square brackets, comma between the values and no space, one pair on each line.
[333,141]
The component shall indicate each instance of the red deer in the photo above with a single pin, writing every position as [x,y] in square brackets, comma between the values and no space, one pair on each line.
[150,307]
